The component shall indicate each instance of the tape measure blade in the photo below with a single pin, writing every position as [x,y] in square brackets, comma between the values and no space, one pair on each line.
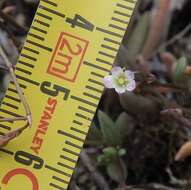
[69,49]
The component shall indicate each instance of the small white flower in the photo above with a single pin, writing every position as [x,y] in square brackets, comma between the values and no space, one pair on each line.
[121,80]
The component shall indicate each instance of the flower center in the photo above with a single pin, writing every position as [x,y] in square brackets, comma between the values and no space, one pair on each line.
[122,80]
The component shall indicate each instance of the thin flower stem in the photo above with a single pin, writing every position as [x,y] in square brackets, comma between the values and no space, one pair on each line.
[11,135]
[13,119]
[20,93]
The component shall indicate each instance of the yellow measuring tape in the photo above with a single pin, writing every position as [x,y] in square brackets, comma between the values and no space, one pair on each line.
[70,47]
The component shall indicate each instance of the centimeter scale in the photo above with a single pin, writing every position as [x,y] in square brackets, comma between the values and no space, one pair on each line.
[69,49]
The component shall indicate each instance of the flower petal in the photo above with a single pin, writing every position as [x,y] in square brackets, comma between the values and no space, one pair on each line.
[130,75]
[120,90]
[116,71]
[108,81]
[131,86]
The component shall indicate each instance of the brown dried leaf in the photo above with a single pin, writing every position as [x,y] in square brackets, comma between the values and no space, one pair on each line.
[8,9]
[184,151]
[169,60]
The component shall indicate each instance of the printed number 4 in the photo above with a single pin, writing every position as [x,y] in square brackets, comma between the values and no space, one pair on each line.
[80,22]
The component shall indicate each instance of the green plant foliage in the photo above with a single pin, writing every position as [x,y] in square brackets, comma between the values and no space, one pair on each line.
[110,132]
[122,152]
[115,166]
[95,136]
[180,68]
[138,37]
[110,151]
[117,170]
[109,154]
[124,123]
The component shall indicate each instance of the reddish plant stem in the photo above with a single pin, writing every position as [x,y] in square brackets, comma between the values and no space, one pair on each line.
[157,28]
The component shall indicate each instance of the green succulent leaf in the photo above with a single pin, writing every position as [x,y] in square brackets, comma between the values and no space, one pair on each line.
[117,171]
[110,152]
[180,68]
[122,152]
[109,131]
[101,159]
[138,37]
[125,124]
[94,136]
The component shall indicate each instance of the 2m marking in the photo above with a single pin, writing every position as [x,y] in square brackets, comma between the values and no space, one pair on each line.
[67,57]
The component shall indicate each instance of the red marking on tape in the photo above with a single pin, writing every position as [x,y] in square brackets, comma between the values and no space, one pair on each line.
[43,125]
[67,57]
[21,171]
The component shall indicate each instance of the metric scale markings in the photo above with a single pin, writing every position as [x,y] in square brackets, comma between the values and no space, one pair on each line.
[69,49]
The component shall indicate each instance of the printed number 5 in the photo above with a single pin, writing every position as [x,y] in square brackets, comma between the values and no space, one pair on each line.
[46,89]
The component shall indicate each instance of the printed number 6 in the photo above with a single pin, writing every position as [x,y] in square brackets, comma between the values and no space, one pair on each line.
[28,159]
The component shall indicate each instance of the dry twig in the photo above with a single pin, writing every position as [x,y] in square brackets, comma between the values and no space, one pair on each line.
[175,38]
[97,176]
